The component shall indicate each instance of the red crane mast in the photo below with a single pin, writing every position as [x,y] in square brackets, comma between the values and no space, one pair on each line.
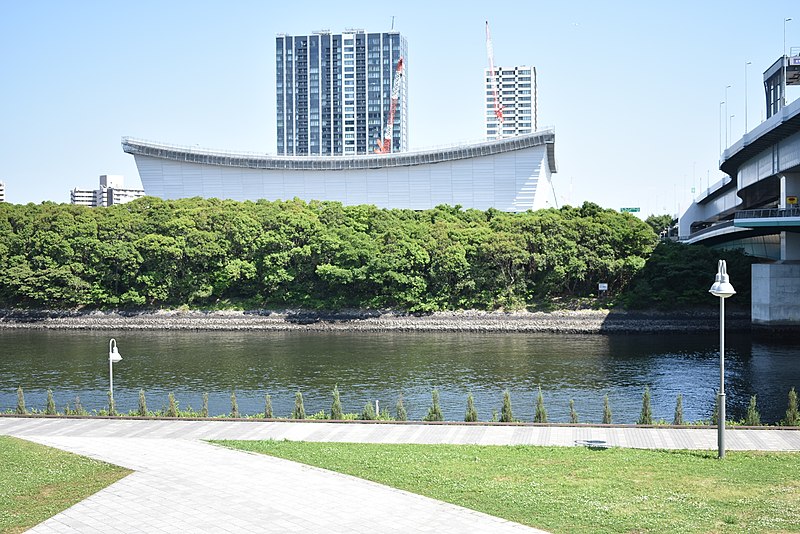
[385,144]
[498,107]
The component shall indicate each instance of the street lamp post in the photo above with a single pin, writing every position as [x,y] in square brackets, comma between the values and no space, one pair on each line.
[720,126]
[783,65]
[730,128]
[745,94]
[723,289]
[726,114]
[113,357]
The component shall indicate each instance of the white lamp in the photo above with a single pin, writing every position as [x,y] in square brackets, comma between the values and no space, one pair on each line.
[723,289]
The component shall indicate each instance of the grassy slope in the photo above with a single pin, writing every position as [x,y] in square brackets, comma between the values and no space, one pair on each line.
[37,482]
[576,489]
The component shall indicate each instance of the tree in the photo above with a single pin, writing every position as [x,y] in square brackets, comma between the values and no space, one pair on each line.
[540,415]
[435,411]
[336,406]
[792,415]
[51,404]
[400,409]
[471,416]
[267,406]
[172,406]
[142,404]
[678,419]
[606,411]
[21,410]
[752,418]
[646,415]
[204,408]
[299,411]
[573,415]
[659,222]
[368,413]
[234,405]
[505,414]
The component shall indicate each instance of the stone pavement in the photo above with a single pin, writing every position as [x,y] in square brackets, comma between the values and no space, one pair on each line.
[181,484]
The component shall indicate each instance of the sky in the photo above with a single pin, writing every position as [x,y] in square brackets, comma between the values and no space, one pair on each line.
[633,89]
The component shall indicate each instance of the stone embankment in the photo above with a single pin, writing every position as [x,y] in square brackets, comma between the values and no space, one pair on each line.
[580,322]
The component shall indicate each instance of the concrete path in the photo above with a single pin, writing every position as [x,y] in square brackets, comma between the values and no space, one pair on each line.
[182,484]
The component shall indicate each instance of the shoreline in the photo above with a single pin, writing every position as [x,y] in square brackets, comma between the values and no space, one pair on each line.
[563,321]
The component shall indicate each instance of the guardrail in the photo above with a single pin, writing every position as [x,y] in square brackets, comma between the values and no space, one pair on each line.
[768,213]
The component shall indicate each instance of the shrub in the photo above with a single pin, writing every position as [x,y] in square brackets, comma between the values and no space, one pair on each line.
[112,409]
[267,406]
[472,414]
[792,415]
[21,410]
[400,409]
[51,404]
[299,411]
[646,416]
[540,416]
[142,404]
[234,405]
[506,416]
[336,406]
[204,407]
[172,406]
[573,415]
[435,411]
[715,411]
[606,411]
[678,419]
[752,418]
[368,413]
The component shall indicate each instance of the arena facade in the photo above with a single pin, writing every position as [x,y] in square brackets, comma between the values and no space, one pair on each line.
[511,174]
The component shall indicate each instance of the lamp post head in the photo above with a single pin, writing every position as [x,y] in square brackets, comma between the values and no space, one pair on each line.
[722,287]
[113,354]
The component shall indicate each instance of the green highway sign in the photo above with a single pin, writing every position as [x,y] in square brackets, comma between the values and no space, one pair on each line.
[629,210]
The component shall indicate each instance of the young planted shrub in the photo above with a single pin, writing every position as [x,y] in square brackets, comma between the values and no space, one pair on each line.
[267,406]
[646,415]
[678,419]
[51,404]
[752,418]
[142,412]
[336,406]
[21,410]
[606,411]
[204,407]
[400,409]
[540,415]
[112,410]
[79,409]
[435,411]
[573,415]
[299,411]
[472,414]
[715,412]
[172,406]
[792,415]
[234,405]
[505,413]
[368,413]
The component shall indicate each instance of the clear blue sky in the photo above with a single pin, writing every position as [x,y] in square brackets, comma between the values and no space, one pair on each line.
[632,88]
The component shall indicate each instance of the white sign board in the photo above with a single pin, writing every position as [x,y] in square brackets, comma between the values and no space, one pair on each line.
[602,286]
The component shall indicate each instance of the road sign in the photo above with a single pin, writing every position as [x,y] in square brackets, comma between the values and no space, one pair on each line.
[602,286]
[791,200]
[629,210]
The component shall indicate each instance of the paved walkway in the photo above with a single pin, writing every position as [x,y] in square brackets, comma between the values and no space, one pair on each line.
[182,484]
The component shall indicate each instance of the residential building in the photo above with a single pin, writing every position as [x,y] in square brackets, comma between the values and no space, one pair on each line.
[111,191]
[334,92]
[516,90]
[2,192]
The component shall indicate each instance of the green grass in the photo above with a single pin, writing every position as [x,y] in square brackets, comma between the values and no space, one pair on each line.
[37,482]
[564,489]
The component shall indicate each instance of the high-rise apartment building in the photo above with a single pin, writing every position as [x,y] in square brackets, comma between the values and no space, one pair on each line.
[334,92]
[516,89]
[2,192]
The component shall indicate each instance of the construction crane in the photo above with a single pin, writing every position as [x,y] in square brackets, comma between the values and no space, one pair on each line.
[498,107]
[385,144]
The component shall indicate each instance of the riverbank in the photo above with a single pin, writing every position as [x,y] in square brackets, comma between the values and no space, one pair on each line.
[564,321]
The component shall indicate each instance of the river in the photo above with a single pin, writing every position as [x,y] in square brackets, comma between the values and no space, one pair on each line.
[381,366]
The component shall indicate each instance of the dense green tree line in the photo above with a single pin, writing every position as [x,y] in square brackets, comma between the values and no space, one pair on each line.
[153,252]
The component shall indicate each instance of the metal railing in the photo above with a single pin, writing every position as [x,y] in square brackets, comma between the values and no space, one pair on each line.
[768,213]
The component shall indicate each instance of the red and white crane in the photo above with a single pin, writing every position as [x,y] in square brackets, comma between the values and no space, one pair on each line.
[385,144]
[498,107]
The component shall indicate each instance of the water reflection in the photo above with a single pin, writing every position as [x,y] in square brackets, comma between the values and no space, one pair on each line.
[369,366]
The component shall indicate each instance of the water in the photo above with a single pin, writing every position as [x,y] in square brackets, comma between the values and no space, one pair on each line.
[370,366]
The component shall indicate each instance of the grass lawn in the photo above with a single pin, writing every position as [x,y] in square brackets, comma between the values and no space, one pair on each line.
[573,489]
[37,482]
